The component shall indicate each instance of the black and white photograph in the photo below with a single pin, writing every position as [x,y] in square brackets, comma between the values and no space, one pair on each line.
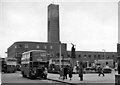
[60,42]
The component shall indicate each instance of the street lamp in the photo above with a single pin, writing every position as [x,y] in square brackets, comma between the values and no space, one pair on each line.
[60,58]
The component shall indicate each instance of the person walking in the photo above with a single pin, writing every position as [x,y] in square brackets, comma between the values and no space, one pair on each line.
[100,71]
[61,73]
[80,72]
[70,72]
[65,73]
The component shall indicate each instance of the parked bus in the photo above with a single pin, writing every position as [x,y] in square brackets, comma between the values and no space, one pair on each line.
[9,65]
[3,64]
[34,64]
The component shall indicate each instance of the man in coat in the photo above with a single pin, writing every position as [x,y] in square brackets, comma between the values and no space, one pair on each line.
[70,72]
[80,72]
[65,72]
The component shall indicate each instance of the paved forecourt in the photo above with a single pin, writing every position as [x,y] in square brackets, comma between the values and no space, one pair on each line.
[87,78]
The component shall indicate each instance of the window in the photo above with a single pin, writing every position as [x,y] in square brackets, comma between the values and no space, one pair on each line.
[98,56]
[113,56]
[20,46]
[45,47]
[37,46]
[68,55]
[15,46]
[89,56]
[103,56]
[85,56]
[94,56]
[79,56]
[26,45]
[51,47]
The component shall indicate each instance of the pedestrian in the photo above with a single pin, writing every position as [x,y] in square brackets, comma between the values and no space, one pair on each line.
[81,72]
[65,73]
[70,72]
[45,73]
[100,71]
[61,73]
[74,69]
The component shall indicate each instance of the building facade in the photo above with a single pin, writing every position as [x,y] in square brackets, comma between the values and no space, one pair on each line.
[53,49]
[90,57]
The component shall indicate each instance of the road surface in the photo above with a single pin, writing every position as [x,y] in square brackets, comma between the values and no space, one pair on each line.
[17,78]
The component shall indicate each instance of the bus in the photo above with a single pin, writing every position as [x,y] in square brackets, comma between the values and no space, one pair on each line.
[3,64]
[34,64]
[9,65]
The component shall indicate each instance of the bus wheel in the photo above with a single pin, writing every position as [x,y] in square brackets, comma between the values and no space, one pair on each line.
[30,76]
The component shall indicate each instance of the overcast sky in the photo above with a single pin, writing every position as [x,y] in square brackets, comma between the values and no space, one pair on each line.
[92,25]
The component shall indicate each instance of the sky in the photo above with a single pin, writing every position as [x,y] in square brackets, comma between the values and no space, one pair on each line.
[92,25]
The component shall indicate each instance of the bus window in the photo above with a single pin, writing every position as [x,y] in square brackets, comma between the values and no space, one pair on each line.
[35,64]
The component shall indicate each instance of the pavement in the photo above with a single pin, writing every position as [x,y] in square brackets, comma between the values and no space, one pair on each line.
[87,79]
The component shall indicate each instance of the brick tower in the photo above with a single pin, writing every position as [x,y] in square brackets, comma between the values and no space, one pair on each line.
[53,23]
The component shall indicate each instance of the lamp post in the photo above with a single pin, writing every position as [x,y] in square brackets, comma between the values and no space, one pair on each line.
[60,58]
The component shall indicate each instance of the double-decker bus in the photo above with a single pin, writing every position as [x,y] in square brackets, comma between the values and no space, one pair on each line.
[3,64]
[9,65]
[34,64]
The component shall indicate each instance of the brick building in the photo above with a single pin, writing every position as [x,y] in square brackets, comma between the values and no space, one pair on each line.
[90,56]
[17,48]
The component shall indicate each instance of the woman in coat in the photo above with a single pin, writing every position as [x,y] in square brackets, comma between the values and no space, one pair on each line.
[70,72]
